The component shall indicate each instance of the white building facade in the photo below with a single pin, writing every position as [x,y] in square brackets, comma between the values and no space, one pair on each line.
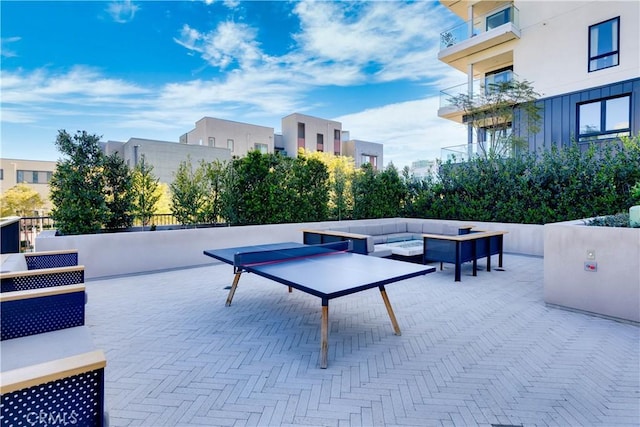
[582,57]
[164,156]
[311,133]
[239,138]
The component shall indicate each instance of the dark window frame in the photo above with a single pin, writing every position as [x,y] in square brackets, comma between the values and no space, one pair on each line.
[506,13]
[603,133]
[603,55]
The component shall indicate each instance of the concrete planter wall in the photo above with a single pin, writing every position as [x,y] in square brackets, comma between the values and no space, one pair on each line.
[593,269]
[112,254]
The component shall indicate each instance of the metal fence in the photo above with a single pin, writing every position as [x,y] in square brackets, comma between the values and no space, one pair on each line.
[31,226]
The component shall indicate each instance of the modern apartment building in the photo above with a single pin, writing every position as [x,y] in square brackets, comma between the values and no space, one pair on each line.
[310,133]
[239,138]
[582,57]
[34,173]
[364,152]
[164,156]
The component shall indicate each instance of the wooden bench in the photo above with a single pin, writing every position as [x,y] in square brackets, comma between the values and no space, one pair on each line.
[463,248]
[36,270]
[50,371]
[53,378]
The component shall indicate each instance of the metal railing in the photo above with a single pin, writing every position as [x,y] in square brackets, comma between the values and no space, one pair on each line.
[479,86]
[480,24]
[464,152]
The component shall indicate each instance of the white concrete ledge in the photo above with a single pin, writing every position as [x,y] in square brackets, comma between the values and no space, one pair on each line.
[112,254]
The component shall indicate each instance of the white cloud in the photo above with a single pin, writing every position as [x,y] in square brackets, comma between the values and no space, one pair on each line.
[410,131]
[5,51]
[122,11]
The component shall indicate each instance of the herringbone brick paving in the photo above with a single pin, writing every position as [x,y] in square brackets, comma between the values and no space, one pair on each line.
[484,351]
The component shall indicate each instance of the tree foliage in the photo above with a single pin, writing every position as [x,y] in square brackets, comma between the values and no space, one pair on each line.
[492,111]
[77,185]
[560,184]
[270,188]
[20,200]
[188,194]
[378,194]
[146,194]
[119,196]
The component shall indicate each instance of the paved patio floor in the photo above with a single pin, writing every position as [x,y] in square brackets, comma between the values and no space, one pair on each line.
[484,351]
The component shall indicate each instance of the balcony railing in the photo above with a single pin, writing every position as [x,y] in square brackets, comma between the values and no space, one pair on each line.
[465,152]
[480,24]
[479,85]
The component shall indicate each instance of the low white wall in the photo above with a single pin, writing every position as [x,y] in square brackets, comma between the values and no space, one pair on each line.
[613,289]
[113,254]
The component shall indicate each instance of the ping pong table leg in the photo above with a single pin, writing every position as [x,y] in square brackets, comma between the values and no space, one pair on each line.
[387,304]
[324,335]
[234,285]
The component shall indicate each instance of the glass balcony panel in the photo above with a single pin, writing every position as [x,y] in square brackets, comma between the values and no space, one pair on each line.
[487,83]
[488,22]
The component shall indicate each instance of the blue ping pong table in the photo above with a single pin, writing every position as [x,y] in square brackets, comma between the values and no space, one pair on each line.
[327,271]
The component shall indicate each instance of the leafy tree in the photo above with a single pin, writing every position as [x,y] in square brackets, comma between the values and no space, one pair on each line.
[214,176]
[118,192]
[20,200]
[495,109]
[77,185]
[145,188]
[378,194]
[341,172]
[269,188]
[188,195]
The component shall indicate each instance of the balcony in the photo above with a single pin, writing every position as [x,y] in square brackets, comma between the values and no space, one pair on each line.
[483,32]
[449,110]
[465,152]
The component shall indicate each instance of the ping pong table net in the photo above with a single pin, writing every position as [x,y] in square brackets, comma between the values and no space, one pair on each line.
[260,257]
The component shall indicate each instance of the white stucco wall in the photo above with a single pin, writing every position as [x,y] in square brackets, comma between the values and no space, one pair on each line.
[112,254]
[613,288]
[244,135]
[553,49]
[313,127]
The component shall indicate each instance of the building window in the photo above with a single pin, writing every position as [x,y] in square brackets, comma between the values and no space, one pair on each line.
[212,141]
[498,18]
[1,174]
[301,130]
[372,160]
[606,118]
[20,177]
[497,79]
[262,148]
[320,142]
[35,177]
[230,144]
[604,44]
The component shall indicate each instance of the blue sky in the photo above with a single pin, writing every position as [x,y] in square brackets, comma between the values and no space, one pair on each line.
[151,69]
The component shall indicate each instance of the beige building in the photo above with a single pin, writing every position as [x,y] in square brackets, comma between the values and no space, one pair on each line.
[364,152]
[35,173]
[164,156]
[311,133]
[239,138]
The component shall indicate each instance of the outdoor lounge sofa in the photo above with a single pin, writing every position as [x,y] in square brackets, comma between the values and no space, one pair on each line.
[441,242]
[366,237]
[50,371]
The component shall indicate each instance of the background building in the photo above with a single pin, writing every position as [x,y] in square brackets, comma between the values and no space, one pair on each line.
[364,152]
[310,133]
[582,57]
[165,156]
[239,138]
[34,173]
